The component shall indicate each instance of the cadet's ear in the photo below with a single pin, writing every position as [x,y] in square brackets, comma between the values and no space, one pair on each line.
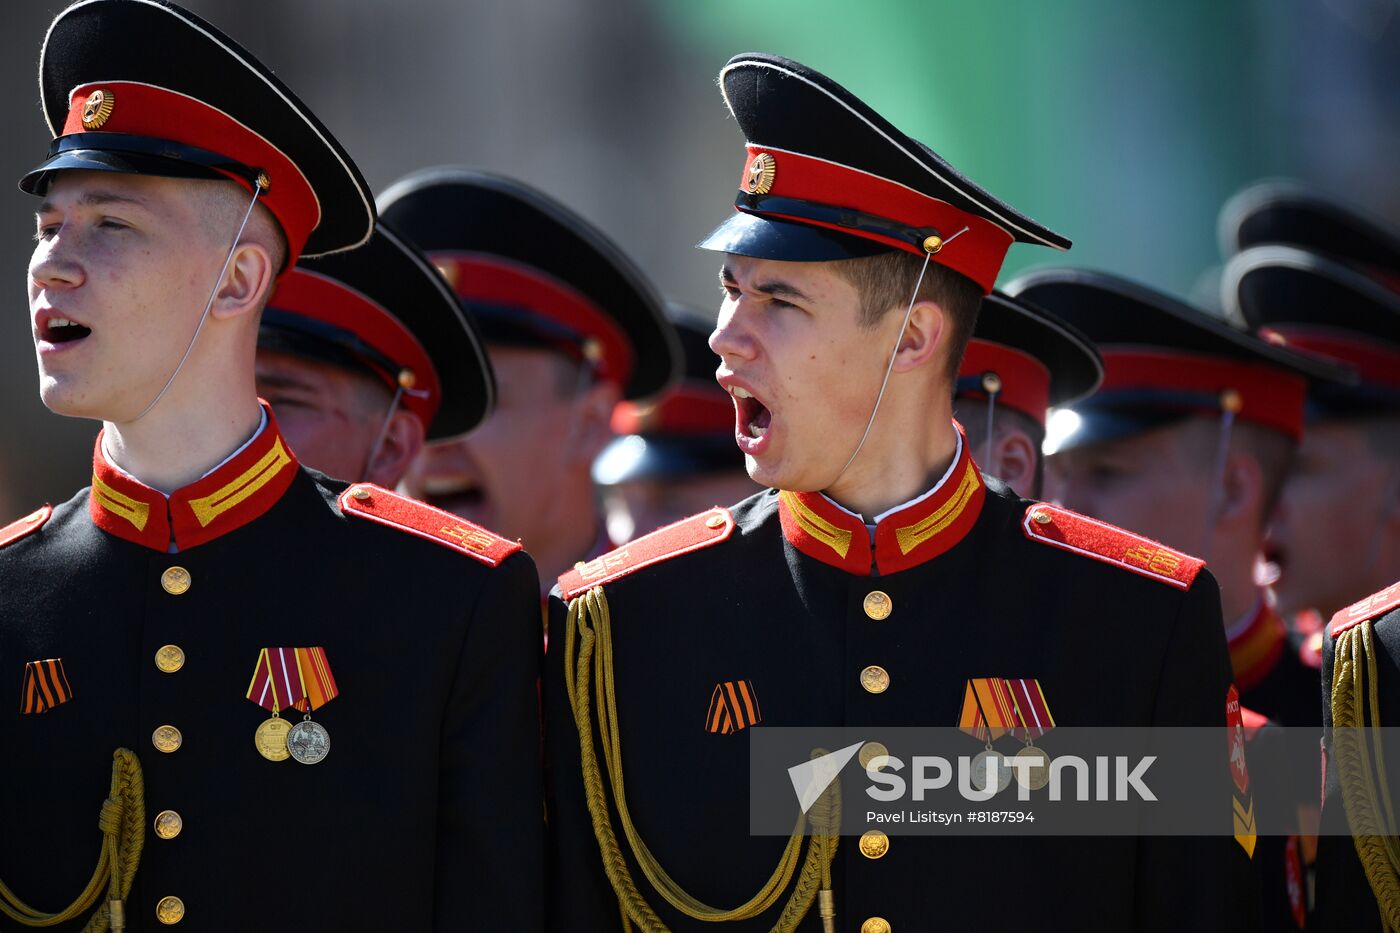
[246,284]
[925,336]
[1014,462]
[403,440]
[1241,496]
[594,426]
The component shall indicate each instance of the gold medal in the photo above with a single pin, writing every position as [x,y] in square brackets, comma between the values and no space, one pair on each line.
[1038,775]
[271,738]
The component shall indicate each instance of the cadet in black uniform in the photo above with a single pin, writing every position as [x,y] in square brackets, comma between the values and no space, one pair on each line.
[365,353]
[1206,415]
[1358,857]
[1322,277]
[1020,362]
[877,575]
[674,455]
[208,609]
[571,325]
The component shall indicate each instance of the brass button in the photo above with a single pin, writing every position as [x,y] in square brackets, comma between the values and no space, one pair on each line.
[874,844]
[870,751]
[360,493]
[875,679]
[167,739]
[878,605]
[1040,517]
[715,521]
[170,658]
[171,910]
[875,925]
[168,824]
[175,581]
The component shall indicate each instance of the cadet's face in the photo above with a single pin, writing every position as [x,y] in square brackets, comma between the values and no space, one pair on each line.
[505,475]
[803,372]
[1325,532]
[1150,484]
[121,270]
[323,410]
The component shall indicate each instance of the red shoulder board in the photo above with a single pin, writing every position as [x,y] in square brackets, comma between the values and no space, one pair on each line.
[1081,534]
[378,504]
[686,535]
[1377,604]
[25,526]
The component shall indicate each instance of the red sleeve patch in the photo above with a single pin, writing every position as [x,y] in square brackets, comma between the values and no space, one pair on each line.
[688,534]
[366,500]
[1377,604]
[1081,534]
[25,526]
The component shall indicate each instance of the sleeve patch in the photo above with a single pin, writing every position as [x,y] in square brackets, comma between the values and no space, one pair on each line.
[25,526]
[1377,604]
[1110,544]
[688,534]
[366,500]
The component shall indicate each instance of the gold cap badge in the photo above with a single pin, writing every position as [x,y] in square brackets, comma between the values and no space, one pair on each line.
[762,170]
[97,108]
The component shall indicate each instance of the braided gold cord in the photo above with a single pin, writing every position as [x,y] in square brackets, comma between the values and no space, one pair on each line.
[589,682]
[1365,792]
[122,821]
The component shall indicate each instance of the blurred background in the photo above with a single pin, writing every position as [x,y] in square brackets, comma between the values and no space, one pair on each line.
[1123,125]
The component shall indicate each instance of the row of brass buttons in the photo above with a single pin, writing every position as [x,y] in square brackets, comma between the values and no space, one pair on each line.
[168,823]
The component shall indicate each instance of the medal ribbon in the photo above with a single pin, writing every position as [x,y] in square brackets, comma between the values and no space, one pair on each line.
[277,681]
[314,674]
[45,686]
[988,710]
[1033,717]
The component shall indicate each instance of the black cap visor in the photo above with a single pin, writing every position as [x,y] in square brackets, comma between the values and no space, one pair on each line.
[759,237]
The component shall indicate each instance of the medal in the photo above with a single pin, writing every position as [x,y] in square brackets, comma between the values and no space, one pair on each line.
[292,678]
[1037,775]
[270,739]
[1034,720]
[308,742]
[982,763]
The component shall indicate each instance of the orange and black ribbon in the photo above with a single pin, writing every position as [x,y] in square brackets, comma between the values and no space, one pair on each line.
[733,706]
[45,686]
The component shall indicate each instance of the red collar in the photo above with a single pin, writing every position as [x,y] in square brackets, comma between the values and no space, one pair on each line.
[230,497]
[905,538]
[1256,647]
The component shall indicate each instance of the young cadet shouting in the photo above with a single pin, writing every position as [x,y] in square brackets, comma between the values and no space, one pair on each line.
[877,576]
[279,684]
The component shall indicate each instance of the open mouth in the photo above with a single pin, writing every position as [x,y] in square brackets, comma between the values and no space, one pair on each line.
[752,416]
[59,330]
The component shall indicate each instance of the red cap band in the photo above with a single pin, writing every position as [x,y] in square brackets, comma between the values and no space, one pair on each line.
[493,280]
[976,253]
[1373,362]
[1025,381]
[146,110]
[329,301]
[1268,396]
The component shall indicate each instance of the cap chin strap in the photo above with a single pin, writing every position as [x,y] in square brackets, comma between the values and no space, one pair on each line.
[228,260]
[894,354]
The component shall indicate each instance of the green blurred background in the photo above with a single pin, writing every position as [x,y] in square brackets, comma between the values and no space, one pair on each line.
[1123,125]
